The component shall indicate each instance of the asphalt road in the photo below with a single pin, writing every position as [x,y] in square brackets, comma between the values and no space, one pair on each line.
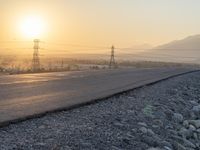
[24,96]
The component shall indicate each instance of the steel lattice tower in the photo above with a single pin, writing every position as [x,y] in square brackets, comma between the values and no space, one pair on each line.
[36,59]
[112,58]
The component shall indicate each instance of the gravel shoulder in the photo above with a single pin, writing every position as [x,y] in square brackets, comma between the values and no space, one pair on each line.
[162,116]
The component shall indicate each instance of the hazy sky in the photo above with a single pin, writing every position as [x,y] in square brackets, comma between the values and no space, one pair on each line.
[103,22]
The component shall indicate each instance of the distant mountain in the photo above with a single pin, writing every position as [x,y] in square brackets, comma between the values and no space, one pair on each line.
[186,50]
[190,43]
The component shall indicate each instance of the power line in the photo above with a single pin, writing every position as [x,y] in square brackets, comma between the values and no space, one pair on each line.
[77,45]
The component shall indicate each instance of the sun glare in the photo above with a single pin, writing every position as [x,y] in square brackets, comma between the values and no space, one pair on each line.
[32,27]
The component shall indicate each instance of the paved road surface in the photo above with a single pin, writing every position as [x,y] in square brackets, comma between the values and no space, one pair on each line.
[26,95]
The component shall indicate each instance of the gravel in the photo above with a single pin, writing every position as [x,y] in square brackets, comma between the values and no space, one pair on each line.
[163,116]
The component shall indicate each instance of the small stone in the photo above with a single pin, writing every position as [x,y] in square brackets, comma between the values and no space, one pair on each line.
[194,103]
[153,148]
[185,133]
[192,128]
[192,115]
[195,123]
[187,143]
[196,109]
[40,144]
[178,118]
[167,148]
[41,127]
[150,132]
[172,132]
[156,126]
[143,130]
[133,130]
[178,146]
[186,124]
[195,135]
[116,148]
[142,124]
[150,141]
[198,130]
[166,144]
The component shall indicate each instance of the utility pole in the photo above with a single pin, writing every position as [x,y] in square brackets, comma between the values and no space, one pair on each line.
[36,59]
[112,58]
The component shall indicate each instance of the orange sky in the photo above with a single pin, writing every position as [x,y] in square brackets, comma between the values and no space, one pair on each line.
[102,22]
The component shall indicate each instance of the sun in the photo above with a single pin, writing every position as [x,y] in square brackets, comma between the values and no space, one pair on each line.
[32,27]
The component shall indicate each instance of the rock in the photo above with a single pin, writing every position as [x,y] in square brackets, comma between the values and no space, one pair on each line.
[186,124]
[126,140]
[178,146]
[42,127]
[195,123]
[178,118]
[167,148]
[116,148]
[196,110]
[194,103]
[153,148]
[195,135]
[185,133]
[142,124]
[192,115]
[172,132]
[198,130]
[150,141]
[133,131]
[41,144]
[129,135]
[192,128]
[156,126]
[183,141]
[143,130]
[150,132]
[166,144]
[187,143]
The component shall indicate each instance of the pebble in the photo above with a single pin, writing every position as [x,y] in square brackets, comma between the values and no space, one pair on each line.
[196,110]
[177,117]
[186,124]
[150,132]
[195,123]
[192,128]
[143,130]
[142,124]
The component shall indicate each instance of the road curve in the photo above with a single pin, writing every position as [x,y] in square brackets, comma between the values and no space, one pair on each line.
[30,95]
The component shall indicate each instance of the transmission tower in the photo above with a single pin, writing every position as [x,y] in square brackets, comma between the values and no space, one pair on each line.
[36,59]
[112,58]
